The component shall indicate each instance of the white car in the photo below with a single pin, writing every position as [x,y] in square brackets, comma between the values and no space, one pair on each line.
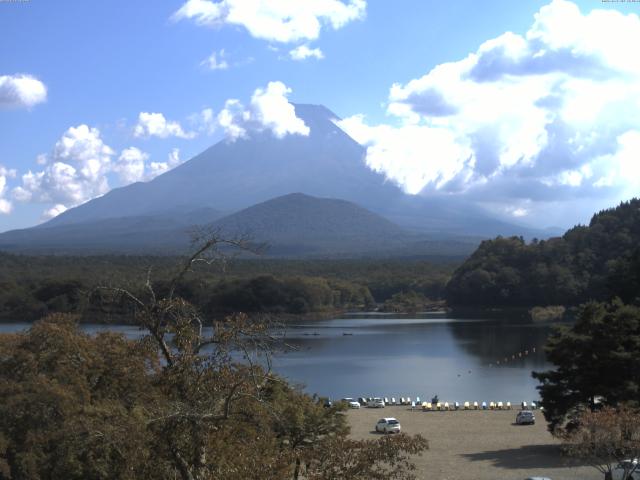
[525,417]
[376,403]
[388,425]
[351,403]
[625,467]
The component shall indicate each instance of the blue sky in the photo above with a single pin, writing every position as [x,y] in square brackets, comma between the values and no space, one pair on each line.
[103,64]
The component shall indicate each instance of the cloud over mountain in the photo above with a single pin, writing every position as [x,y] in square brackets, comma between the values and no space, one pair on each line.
[156,125]
[77,170]
[80,165]
[544,116]
[21,91]
[158,168]
[279,21]
[130,165]
[268,110]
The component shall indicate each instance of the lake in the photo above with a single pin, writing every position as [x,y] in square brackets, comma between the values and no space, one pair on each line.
[399,355]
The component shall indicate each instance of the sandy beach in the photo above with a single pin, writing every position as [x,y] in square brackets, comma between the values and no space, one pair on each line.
[477,445]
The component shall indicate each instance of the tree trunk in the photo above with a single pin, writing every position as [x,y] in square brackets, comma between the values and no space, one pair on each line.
[182,465]
[296,472]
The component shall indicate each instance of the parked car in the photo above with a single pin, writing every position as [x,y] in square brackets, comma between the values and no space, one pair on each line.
[376,403]
[388,425]
[625,467]
[327,403]
[351,403]
[525,417]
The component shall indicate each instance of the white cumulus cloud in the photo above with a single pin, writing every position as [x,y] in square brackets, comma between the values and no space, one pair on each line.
[204,121]
[158,168]
[131,165]
[549,114]
[21,91]
[216,61]
[274,20]
[5,205]
[268,110]
[303,52]
[54,211]
[156,125]
[74,172]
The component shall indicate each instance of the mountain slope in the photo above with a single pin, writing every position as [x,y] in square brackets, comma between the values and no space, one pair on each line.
[595,262]
[327,163]
[153,234]
[308,224]
[294,225]
[231,176]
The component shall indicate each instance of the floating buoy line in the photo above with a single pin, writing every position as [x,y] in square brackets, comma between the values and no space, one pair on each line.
[514,357]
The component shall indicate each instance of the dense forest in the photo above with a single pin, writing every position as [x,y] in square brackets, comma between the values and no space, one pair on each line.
[595,262]
[34,286]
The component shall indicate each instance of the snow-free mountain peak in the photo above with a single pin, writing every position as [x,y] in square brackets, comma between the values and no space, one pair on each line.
[232,175]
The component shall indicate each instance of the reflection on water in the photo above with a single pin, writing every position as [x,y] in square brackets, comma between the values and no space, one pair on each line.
[383,355]
[428,355]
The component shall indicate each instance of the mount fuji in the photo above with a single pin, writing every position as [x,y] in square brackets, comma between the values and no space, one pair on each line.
[221,185]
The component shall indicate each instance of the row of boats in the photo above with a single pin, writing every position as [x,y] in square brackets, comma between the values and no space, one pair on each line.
[436,405]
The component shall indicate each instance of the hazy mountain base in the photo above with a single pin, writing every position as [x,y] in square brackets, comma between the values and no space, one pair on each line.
[295,225]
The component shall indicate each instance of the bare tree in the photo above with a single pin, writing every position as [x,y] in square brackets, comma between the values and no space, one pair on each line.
[217,387]
[208,366]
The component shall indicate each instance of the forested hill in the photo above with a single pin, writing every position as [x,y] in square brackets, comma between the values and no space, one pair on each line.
[594,262]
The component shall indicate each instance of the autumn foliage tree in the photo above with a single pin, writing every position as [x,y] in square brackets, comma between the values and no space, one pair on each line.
[605,439]
[193,399]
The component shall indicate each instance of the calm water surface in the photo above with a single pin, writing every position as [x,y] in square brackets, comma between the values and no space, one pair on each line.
[400,356]
[382,355]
